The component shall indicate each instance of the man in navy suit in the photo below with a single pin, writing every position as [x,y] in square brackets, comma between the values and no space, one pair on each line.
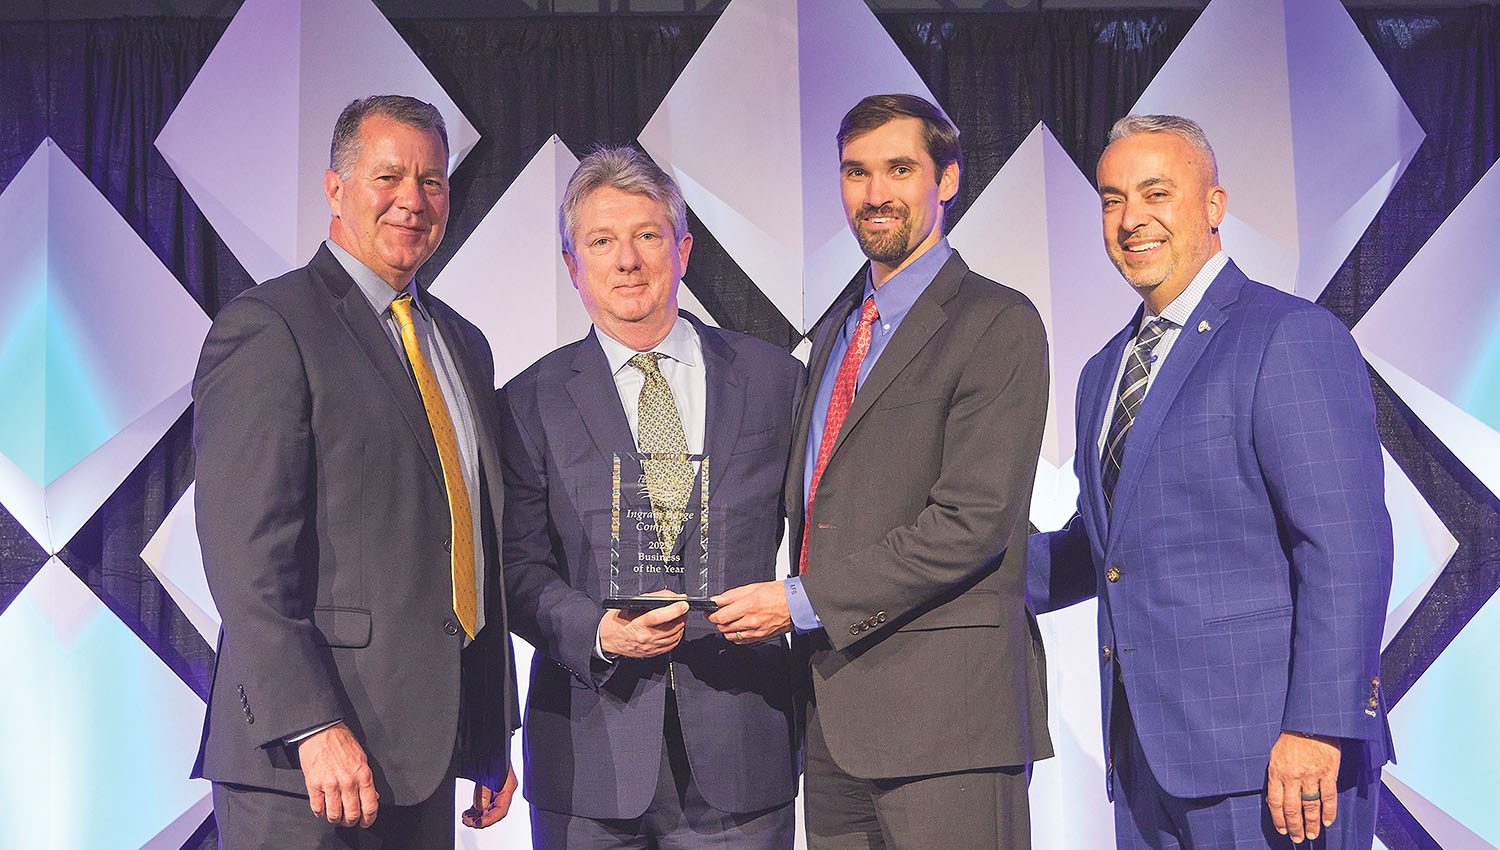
[1232,524]
[646,728]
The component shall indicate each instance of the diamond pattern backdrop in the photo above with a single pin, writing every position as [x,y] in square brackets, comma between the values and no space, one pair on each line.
[1316,137]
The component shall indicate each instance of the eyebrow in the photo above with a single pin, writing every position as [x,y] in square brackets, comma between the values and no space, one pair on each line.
[907,161]
[1144,184]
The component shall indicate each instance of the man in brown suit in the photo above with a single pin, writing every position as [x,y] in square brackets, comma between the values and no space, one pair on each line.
[908,496]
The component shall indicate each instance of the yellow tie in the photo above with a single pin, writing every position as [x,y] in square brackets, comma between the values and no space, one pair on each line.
[461,516]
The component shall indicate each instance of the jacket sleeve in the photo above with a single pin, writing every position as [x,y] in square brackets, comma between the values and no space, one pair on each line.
[990,439]
[1059,568]
[557,619]
[1313,425]
[254,468]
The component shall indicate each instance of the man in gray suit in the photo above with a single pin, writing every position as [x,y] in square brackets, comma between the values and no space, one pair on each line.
[909,491]
[646,728]
[348,504]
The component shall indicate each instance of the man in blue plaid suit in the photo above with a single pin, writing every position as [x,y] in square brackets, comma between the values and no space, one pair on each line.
[1232,524]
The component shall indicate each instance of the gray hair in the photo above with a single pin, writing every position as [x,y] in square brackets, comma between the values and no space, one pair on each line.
[344,151]
[1184,128]
[628,170]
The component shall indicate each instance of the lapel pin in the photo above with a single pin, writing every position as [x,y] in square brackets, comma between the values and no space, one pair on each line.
[1204,326]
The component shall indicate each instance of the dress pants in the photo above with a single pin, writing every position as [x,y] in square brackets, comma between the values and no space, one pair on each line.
[1148,818]
[969,810]
[262,819]
[678,817]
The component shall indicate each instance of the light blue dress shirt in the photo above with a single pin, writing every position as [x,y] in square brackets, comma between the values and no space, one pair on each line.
[893,301]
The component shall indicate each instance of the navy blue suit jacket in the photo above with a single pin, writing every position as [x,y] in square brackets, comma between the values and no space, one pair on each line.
[1242,579]
[593,731]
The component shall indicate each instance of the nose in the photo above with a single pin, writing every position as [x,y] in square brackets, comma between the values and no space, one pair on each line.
[1133,214]
[627,258]
[877,190]
[409,195]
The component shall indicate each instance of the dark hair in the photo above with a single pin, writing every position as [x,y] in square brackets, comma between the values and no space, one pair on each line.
[877,110]
[628,170]
[398,107]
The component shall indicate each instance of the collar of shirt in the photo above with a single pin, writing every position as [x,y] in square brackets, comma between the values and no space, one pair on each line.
[894,297]
[1182,307]
[680,345]
[375,289]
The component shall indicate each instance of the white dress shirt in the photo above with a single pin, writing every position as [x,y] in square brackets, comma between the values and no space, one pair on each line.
[683,368]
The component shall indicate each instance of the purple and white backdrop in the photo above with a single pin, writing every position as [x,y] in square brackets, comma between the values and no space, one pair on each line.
[152,169]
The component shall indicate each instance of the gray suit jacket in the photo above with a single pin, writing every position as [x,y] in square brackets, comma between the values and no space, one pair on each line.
[929,661]
[324,525]
[594,730]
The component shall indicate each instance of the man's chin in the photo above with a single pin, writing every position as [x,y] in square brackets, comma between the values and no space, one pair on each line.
[885,254]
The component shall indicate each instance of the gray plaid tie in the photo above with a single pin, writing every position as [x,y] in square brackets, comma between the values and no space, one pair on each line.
[1132,392]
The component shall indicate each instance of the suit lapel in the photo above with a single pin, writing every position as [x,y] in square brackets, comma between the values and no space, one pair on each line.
[1192,341]
[824,336]
[353,310]
[592,388]
[476,388]
[726,401]
[1099,395]
[921,323]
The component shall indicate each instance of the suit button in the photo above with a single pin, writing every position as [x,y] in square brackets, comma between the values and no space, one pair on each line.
[450,627]
[880,618]
[1113,574]
[854,629]
[448,546]
[1107,653]
[249,718]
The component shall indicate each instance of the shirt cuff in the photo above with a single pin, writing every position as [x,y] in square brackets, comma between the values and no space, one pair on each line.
[804,618]
[292,739]
[599,652]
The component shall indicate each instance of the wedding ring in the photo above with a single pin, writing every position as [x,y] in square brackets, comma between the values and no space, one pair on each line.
[1309,796]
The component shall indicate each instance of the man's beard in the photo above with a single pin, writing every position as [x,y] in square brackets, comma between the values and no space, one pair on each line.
[890,247]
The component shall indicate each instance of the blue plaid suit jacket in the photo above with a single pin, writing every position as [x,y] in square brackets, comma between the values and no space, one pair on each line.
[1250,547]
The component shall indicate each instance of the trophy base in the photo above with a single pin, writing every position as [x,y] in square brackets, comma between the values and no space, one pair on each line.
[648,603]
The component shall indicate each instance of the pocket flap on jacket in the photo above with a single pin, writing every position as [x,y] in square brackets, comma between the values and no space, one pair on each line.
[342,627]
[971,609]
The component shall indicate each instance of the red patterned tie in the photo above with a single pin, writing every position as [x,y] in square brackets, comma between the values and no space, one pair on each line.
[844,384]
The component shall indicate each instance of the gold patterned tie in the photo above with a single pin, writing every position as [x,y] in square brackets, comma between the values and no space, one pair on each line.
[459,512]
[659,431]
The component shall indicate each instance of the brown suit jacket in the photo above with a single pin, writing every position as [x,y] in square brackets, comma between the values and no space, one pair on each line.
[929,661]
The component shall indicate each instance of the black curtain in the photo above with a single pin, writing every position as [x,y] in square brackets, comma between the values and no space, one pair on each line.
[104,89]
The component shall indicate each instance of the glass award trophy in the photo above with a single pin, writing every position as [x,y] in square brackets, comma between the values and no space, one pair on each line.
[661,547]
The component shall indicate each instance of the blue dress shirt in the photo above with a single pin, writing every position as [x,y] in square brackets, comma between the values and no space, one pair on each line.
[893,301]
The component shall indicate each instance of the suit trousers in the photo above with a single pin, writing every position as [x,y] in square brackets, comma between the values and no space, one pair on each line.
[1148,818]
[678,817]
[968,810]
[263,819]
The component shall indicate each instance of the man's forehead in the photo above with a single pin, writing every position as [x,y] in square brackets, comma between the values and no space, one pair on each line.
[607,206]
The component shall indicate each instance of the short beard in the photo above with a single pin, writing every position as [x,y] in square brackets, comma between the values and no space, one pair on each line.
[889,248]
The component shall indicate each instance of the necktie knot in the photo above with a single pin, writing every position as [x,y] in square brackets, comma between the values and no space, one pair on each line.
[401,309]
[1152,332]
[868,313]
[648,362]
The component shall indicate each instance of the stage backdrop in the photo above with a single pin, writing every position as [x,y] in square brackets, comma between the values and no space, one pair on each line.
[152,169]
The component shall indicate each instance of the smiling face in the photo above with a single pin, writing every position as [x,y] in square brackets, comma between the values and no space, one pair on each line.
[392,208]
[1162,211]
[894,195]
[626,264]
